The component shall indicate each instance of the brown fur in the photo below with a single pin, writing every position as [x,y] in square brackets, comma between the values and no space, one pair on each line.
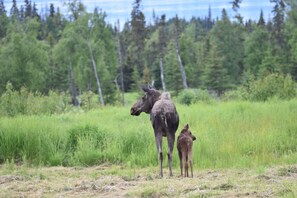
[164,118]
[184,147]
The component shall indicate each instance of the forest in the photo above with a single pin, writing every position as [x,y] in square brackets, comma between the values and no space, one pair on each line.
[67,82]
[81,54]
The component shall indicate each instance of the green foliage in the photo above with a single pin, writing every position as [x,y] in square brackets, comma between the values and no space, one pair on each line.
[255,49]
[55,53]
[227,38]
[82,134]
[233,95]
[216,77]
[86,153]
[23,57]
[272,86]
[229,134]
[24,102]
[191,96]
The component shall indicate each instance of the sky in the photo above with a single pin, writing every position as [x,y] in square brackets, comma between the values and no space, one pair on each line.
[121,9]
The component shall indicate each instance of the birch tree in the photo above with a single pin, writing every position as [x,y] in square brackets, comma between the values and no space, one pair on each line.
[180,64]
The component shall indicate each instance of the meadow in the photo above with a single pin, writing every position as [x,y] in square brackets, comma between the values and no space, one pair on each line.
[234,134]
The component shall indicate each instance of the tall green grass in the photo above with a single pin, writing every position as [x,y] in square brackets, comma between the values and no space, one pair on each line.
[229,134]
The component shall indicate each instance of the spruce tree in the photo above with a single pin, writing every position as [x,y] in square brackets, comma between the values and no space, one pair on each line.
[261,21]
[14,11]
[139,34]
[3,20]
[215,75]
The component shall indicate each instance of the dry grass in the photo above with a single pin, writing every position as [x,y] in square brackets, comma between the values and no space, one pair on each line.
[117,181]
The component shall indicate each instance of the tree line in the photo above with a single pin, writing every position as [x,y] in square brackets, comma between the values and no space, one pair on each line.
[80,52]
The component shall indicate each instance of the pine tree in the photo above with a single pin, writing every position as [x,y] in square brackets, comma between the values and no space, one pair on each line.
[229,39]
[14,11]
[139,34]
[28,9]
[3,20]
[261,21]
[291,37]
[35,12]
[279,45]
[215,76]
[255,50]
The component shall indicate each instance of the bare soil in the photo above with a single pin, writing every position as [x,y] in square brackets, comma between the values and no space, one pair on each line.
[118,181]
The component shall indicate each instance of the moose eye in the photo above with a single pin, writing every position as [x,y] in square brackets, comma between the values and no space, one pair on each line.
[144,97]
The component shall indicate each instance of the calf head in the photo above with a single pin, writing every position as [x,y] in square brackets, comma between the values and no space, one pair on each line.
[146,103]
[185,131]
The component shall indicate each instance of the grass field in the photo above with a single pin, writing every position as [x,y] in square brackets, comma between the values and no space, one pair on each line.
[119,181]
[229,135]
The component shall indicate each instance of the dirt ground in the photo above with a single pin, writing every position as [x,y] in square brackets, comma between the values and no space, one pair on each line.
[117,181]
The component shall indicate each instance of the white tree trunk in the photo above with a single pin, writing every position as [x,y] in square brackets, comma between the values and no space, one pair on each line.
[162,75]
[180,64]
[96,74]
[72,87]
[121,65]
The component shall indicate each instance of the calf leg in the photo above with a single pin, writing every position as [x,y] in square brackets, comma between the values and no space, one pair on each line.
[191,161]
[170,139]
[180,162]
[158,137]
[185,163]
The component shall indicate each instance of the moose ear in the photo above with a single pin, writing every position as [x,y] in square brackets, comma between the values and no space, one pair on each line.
[145,89]
[186,127]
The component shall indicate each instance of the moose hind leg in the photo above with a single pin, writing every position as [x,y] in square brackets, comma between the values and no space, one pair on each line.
[160,154]
[170,139]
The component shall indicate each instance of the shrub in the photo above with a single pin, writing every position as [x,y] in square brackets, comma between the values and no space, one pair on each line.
[187,97]
[273,85]
[191,96]
[89,100]
[9,102]
[233,95]
[25,102]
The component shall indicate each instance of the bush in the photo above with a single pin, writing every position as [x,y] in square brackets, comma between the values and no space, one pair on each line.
[191,96]
[272,86]
[89,100]
[233,95]
[24,102]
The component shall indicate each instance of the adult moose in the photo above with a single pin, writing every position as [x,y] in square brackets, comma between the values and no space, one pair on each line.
[164,118]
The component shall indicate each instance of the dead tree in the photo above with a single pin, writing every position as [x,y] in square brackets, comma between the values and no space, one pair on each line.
[120,50]
[162,74]
[96,74]
[180,64]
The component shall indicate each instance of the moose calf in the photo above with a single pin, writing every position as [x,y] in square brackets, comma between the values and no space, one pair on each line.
[184,147]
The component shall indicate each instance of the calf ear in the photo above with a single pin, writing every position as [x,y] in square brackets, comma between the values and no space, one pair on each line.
[193,138]
[186,127]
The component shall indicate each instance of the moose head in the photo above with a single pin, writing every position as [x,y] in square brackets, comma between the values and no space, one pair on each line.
[147,101]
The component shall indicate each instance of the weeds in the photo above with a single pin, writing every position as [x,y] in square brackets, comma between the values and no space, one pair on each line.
[229,134]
